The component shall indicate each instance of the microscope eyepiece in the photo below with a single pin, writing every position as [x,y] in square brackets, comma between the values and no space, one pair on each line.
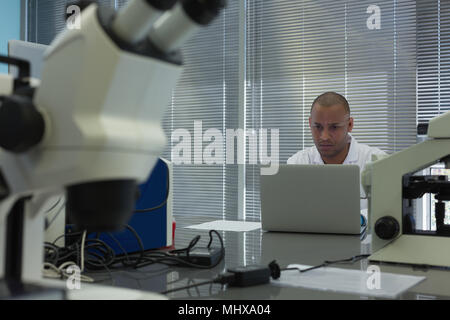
[22,126]
[178,25]
[133,22]
[203,11]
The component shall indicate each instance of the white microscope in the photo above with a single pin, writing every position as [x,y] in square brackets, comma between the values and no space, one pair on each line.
[91,128]
[392,184]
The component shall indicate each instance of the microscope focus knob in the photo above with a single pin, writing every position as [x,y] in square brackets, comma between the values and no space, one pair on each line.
[21,125]
[387,228]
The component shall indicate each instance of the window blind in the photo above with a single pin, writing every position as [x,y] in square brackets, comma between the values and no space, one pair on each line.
[297,50]
[433,58]
[207,94]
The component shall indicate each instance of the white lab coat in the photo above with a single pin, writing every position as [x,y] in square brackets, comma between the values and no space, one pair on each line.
[359,154]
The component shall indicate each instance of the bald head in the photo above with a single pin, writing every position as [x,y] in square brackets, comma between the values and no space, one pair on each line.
[330,123]
[329,99]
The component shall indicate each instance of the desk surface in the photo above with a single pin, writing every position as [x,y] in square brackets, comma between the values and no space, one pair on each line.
[259,247]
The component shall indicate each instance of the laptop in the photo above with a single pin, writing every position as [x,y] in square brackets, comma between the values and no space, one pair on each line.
[312,199]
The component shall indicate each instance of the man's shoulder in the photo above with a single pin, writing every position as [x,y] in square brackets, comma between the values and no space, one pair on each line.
[366,152]
[302,157]
[366,149]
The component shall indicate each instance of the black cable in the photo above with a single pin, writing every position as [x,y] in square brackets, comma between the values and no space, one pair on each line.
[351,260]
[99,255]
[189,247]
[189,286]
[73,234]
[166,198]
[328,262]
[177,261]
[97,252]
[107,258]
[56,215]
[54,206]
[141,245]
[127,258]
[51,252]
[95,261]
[109,273]
[222,279]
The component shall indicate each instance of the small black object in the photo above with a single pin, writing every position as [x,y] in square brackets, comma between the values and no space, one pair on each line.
[275,270]
[23,65]
[250,275]
[422,128]
[21,125]
[101,206]
[387,228]
[202,256]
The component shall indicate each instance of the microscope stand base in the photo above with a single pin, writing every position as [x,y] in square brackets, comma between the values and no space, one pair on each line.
[11,290]
[57,290]
[416,250]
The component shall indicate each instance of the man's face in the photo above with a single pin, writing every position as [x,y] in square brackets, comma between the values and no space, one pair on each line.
[329,128]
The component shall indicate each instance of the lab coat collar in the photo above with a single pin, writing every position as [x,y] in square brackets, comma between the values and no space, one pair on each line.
[352,156]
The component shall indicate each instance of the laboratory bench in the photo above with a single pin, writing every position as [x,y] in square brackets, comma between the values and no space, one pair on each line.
[261,247]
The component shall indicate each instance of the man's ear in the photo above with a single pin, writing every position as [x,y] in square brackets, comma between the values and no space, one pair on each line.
[310,122]
[350,124]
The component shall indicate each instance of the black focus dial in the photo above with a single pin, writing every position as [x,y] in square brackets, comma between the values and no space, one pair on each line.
[387,228]
[21,124]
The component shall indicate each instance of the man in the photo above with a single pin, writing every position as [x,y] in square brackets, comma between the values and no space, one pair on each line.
[330,123]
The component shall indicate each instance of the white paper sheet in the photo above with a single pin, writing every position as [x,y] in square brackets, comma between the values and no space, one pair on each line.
[224,225]
[370,283]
